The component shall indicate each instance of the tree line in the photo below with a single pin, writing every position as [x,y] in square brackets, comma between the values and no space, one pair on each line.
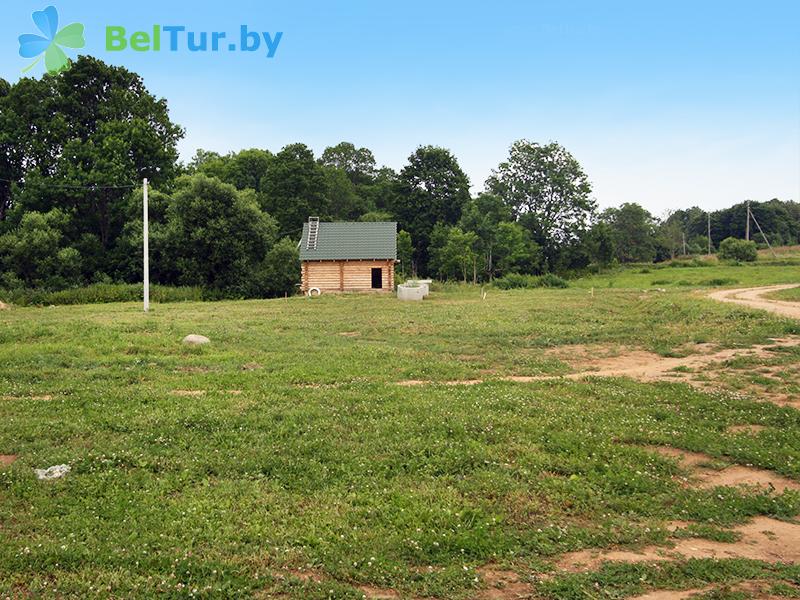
[75,146]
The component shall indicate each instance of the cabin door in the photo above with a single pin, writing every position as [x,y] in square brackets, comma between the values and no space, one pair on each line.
[377,278]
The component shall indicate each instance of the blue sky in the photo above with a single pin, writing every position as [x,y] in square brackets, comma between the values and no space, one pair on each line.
[668,104]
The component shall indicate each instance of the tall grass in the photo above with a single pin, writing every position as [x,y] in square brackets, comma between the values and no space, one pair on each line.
[101,293]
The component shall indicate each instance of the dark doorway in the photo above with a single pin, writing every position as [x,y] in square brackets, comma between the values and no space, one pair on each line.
[377,278]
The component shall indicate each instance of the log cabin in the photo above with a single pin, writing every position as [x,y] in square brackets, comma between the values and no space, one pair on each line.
[348,256]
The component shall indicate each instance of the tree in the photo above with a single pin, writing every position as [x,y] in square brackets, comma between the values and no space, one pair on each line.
[633,230]
[452,252]
[245,169]
[514,250]
[82,139]
[431,189]
[546,185]
[382,191]
[345,204]
[217,237]
[281,272]
[10,167]
[601,243]
[405,250]
[376,216]
[295,188]
[482,216]
[357,163]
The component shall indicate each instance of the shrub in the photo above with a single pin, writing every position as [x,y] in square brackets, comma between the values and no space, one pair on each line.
[739,250]
[718,281]
[516,280]
[101,293]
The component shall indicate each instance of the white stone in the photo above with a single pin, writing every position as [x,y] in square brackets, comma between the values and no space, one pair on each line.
[195,339]
[53,472]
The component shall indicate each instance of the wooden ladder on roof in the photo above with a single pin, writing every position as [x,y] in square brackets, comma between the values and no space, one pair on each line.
[313,231]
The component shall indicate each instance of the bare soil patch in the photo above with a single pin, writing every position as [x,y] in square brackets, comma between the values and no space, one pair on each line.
[375,593]
[503,585]
[7,459]
[762,539]
[188,392]
[756,589]
[751,429]
[673,594]
[4,306]
[704,476]
[42,397]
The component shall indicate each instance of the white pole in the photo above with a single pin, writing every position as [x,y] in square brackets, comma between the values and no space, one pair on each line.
[146,233]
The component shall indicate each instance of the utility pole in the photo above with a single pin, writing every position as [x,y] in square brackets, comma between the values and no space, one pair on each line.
[146,235]
[747,226]
[684,243]
[709,234]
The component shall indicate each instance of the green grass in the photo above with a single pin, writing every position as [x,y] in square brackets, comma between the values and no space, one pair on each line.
[767,271]
[319,463]
[791,295]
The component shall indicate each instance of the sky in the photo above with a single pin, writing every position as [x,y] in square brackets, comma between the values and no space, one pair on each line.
[669,104]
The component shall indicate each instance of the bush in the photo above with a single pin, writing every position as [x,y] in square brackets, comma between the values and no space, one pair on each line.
[738,250]
[515,280]
[101,293]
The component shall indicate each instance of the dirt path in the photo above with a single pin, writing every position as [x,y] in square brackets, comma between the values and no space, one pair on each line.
[752,298]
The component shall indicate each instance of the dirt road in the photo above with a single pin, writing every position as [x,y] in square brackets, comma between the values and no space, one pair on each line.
[752,298]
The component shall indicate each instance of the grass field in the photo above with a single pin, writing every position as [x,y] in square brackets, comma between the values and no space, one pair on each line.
[284,460]
[792,295]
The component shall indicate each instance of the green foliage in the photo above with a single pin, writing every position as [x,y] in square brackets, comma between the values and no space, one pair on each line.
[357,163]
[34,253]
[99,293]
[546,185]
[376,216]
[217,236]
[602,244]
[517,280]
[281,269]
[432,189]
[295,188]
[90,125]
[633,231]
[344,202]
[452,253]
[738,250]
[405,253]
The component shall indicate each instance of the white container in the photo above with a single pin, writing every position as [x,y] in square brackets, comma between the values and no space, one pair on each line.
[408,292]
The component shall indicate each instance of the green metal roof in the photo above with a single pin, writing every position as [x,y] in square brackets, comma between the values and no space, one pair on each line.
[352,240]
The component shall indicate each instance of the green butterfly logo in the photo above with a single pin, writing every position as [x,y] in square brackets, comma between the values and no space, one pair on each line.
[49,45]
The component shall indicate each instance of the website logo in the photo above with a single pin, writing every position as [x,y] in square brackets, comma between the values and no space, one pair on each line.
[177,37]
[48,45]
